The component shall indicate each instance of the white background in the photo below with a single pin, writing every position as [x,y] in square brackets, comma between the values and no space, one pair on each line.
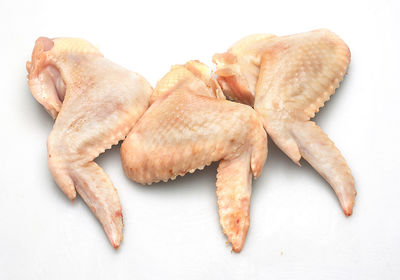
[297,231]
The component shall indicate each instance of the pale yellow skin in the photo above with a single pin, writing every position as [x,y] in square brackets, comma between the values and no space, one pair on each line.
[190,125]
[95,103]
[287,79]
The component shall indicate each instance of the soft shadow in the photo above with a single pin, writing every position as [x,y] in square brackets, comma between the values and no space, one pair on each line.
[108,154]
[340,92]
[207,177]
[278,161]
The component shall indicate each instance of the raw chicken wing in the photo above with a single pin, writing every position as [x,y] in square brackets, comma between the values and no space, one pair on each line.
[288,79]
[188,126]
[95,103]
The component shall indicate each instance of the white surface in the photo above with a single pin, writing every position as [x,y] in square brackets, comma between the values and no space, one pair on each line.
[297,231]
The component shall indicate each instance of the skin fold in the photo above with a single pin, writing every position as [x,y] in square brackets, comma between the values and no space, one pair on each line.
[94,103]
[287,79]
[190,125]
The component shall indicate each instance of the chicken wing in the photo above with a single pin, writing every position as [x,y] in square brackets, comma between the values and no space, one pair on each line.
[288,79]
[95,103]
[190,125]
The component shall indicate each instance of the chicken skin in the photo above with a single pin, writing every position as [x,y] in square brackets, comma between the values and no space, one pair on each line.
[94,103]
[190,125]
[287,79]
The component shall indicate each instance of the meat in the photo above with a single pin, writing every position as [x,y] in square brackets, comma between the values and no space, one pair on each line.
[190,125]
[94,103]
[287,79]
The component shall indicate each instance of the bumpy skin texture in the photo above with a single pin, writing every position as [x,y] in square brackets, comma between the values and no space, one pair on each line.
[95,103]
[188,126]
[288,79]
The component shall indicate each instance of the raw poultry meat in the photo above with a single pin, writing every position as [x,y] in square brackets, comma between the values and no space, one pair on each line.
[95,103]
[190,125]
[288,79]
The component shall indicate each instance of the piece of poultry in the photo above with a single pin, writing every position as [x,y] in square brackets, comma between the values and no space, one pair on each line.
[95,103]
[190,125]
[288,79]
